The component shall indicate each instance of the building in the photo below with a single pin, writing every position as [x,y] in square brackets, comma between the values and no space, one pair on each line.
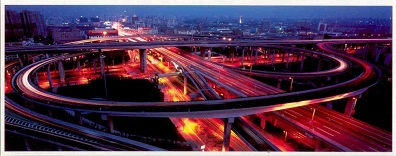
[33,23]
[97,33]
[147,30]
[266,26]
[61,36]
[24,24]
[13,26]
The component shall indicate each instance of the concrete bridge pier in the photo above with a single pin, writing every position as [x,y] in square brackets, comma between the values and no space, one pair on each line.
[255,56]
[232,51]
[350,106]
[27,144]
[94,65]
[209,53]
[49,76]
[20,58]
[143,60]
[109,119]
[78,65]
[61,72]
[302,62]
[185,85]
[318,145]
[202,50]
[102,65]
[36,80]
[123,57]
[273,58]
[263,120]
[78,117]
[287,60]
[319,64]
[243,57]
[251,53]
[279,83]
[227,133]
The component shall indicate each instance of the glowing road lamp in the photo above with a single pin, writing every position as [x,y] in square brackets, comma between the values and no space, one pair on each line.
[291,83]
[313,113]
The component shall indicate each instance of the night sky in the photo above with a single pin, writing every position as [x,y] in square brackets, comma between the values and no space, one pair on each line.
[291,12]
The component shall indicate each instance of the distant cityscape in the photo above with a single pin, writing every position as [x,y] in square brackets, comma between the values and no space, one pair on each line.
[30,24]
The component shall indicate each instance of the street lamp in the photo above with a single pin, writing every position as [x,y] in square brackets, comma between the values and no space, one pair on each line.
[313,113]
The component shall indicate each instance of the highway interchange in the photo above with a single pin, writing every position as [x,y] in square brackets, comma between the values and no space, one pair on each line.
[250,92]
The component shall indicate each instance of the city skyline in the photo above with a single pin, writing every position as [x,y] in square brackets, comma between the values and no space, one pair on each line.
[287,12]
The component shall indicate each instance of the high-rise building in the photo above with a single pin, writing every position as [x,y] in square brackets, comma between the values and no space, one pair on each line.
[24,24]
[33,23]
[13,25]
[266,26]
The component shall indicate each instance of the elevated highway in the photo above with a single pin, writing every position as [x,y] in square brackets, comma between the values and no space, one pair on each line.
[211,108]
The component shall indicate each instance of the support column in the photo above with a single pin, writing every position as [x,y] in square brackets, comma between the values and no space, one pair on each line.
[227,133]
[279,83]
[94,65]
[109,120]
[27,144]
[350,106]
[209,53]
[243,57]
[20,58]
[287,60]
[263,120]
[319,63]
[123,57]
[302,62]
[61,72]
[133,56]
[255,56]
[318,145]
[102,72]
[36,78]
[143,60]
[251,53]
[78,65]
[185,85]
[78,117]
[232,49]
[202,50]
[283,57]
[49,76]
[273,58]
